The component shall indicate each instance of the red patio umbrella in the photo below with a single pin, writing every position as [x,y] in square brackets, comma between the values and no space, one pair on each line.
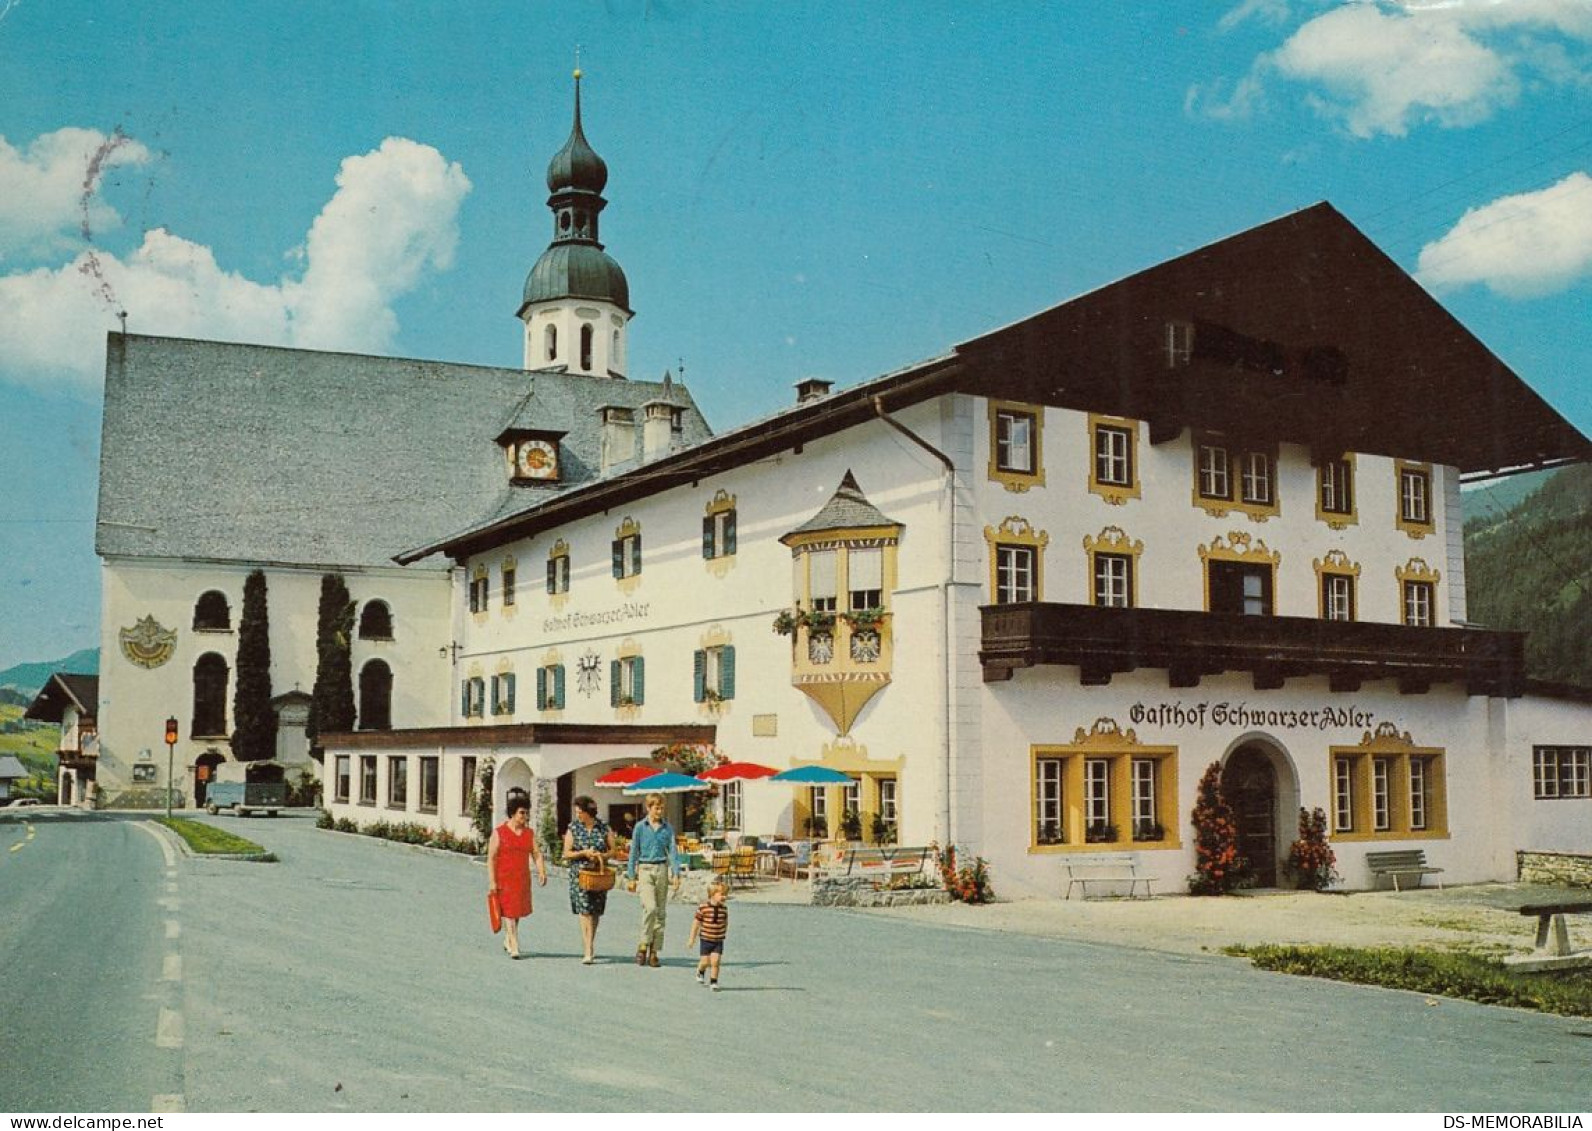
[627,775]
[737,771]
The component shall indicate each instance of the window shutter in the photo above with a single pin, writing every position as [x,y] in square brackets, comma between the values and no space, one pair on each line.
[727,672]
[636,551]
[707,537]
[729,533]
[613,683]
[619,557]
[541,689]
[699,661]
[464,697]
[552,574]
[638,683]
[496,692]
[508,694]
[558,687]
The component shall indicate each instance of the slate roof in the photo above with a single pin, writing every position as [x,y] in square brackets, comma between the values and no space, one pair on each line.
[848,508]
[63,689]
[11,768]
[247,453]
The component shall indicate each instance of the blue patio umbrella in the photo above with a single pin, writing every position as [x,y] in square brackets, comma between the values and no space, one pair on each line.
[813,775]
[667,783]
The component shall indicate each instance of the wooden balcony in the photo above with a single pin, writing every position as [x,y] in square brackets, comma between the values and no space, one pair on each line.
[1102,642]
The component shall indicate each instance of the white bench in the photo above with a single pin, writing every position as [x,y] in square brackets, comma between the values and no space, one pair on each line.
[1119,868]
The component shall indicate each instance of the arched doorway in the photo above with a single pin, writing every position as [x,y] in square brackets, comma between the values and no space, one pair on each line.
[204,772]
[1249,785]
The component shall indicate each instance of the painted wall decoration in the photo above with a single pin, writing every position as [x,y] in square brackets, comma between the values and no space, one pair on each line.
[148,644]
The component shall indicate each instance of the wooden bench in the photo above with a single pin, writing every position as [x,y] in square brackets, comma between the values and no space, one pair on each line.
[1404,862]
[1120,868]
[879,862]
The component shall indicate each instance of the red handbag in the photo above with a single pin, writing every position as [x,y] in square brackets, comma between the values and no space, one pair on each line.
[494,912]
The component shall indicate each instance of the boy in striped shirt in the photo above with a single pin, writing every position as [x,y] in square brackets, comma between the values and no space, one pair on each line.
[711,924]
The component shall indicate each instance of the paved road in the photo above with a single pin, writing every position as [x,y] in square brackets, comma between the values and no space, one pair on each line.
[87,1001]
[359,976]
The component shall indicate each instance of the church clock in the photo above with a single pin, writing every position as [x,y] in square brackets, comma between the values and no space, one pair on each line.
[536,459]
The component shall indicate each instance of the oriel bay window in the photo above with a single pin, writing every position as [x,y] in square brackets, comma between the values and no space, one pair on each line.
[1103,789]
[1388,788]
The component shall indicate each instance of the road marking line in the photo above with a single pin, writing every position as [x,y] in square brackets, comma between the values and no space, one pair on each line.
[165,845]
[168,1030]
[169,1102]
[170,904]
[171,887]
[171,968]
[18,846]
[173,928]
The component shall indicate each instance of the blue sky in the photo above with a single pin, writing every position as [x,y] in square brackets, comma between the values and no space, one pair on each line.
[803,189]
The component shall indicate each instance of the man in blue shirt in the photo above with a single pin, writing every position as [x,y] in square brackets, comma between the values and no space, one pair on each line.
[655,861]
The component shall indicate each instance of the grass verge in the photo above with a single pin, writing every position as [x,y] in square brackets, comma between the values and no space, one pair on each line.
[1449,975]
[210,841]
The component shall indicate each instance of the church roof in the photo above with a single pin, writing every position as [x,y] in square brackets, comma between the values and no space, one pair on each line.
[248,453]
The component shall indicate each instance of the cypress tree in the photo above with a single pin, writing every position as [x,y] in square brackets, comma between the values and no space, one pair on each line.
[254,738]
[332,703]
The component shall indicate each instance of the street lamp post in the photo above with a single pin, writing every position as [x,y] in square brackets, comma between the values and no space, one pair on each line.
[171,747]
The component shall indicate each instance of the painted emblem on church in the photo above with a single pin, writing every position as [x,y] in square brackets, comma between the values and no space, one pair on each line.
[589,673]
[147,644]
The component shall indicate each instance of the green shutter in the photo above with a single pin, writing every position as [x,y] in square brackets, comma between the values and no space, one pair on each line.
[727,672]
[707,537]
[618,549]
[508,694]
[639,682]
[541,689]
[637,553]
[613,683]
[729,534]
[558,687]
[552,575]
[699,661]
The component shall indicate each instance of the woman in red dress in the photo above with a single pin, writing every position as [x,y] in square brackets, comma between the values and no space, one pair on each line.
[508,869]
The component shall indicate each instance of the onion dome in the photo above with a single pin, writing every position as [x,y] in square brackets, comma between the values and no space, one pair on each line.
[577,270]
[576,166]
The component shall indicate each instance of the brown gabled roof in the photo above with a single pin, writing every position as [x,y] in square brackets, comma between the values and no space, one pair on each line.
[62,690]
[1304,331]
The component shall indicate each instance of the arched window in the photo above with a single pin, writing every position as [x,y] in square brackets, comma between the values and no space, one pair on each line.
[585,345]
[550,336]
[375,621]
[616,358]
[375,696]
[211,613]
[209,697]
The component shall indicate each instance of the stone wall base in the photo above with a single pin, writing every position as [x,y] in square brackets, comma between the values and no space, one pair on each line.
[855,891]
[1564,869]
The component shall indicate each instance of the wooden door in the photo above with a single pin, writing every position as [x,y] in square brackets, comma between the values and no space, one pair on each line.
[1249,785]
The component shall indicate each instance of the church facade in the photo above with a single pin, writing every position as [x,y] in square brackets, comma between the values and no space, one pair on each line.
[1022,595]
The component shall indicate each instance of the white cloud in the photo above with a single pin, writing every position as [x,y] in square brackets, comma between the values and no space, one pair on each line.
[1385,67]
[393,217]
[49,190]
[1383,72]
[1270,11]
[1524,245]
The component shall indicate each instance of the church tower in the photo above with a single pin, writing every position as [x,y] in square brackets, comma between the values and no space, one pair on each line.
[577,302]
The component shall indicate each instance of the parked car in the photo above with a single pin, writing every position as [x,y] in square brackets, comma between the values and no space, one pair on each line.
[247,787]
[19,802]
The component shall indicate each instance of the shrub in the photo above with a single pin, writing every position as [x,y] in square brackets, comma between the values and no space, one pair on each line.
[1218,866]
[1310,858]
[967,884]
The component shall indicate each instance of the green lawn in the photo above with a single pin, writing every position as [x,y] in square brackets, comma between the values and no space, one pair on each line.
[1465,976]
[35,746]
[209,840]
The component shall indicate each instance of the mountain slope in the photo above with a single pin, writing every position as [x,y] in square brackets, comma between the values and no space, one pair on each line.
[29,678]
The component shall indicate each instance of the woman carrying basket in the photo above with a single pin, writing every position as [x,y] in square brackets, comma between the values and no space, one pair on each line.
[587,844]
